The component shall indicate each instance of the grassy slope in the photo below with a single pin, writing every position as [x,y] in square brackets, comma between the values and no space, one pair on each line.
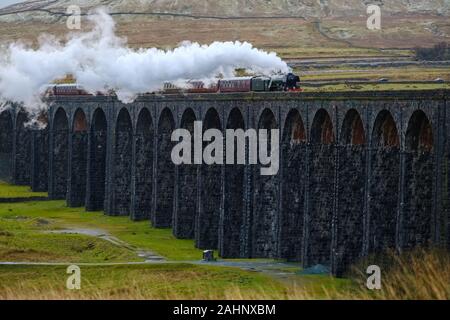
[338,52]
[8,191]
[375,87]
[23,237]
[286,34]
[162,281]
[422,276]
[58,216]
[397,74]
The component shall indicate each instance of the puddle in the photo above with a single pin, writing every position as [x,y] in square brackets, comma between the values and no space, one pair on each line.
[150,256]
[86,232]
[272,268]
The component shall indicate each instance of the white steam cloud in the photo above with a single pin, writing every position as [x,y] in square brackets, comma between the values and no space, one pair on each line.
[101,61]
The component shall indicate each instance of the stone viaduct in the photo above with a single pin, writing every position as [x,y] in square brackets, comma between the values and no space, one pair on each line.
[360,172]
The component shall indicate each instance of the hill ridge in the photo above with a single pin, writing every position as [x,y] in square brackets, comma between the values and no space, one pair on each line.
[238,9]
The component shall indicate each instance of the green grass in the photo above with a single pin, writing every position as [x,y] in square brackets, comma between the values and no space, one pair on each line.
[416,275]
[24,237]
[341,52]
[397,74]
[58,216]
[160,281]
[11,191]
[393,75]
[376,87]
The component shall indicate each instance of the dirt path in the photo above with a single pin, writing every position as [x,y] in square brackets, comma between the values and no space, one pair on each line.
[149,256]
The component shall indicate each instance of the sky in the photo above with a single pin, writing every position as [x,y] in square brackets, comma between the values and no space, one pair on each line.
[4,3]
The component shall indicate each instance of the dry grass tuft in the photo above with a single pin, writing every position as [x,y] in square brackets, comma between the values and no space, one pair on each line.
[417,275]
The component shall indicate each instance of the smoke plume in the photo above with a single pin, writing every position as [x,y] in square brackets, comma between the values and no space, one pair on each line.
[101,61]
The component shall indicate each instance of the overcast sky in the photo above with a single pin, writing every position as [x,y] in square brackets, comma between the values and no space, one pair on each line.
[4,3]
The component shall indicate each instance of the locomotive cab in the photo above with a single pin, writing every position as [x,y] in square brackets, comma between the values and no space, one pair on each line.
[288,82]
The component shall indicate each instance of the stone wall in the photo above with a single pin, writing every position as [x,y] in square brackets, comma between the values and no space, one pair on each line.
[321,204]
[209,214]
[351,192]
[39,160]
[60,154]
[231,231]
[384,199]
[230,226]
[6,145]
[210,178]
[143,202]
[417,218]
[293,202]
[265,219]
[77,184]
[120,198]
[186,189]
[22,152]
[165,174]
[96,170]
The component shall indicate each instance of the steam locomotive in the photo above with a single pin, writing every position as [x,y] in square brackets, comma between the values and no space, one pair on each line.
[289,82]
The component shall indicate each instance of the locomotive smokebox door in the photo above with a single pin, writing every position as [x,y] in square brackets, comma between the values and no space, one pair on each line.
[292,81]
[208,255]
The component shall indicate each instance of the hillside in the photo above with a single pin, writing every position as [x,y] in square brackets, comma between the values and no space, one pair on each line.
[247,8]
[266,23]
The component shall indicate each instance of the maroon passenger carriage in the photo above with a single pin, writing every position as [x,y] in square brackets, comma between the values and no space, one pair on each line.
[289,82]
